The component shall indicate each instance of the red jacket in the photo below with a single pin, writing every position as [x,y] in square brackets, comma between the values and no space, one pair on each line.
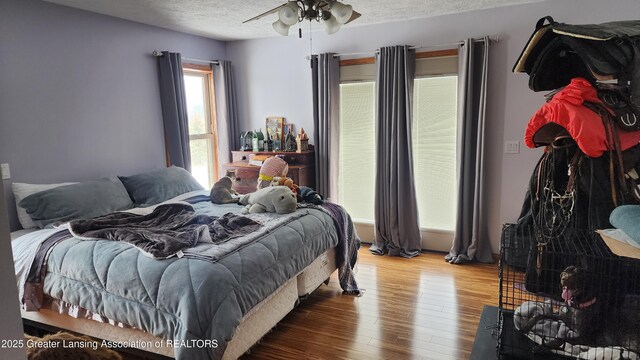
[584,126]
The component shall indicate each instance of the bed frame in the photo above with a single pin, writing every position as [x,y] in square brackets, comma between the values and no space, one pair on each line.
[253,326]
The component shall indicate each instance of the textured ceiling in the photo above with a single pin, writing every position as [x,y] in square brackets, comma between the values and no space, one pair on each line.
[222,19]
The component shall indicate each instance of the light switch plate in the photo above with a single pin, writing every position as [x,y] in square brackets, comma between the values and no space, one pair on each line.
[6,173]
[512,147]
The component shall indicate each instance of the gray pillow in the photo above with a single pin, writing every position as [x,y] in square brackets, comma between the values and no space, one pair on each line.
[83,200]
[160,185]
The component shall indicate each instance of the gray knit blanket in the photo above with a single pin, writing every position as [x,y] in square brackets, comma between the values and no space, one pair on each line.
[348,245]
[166,231]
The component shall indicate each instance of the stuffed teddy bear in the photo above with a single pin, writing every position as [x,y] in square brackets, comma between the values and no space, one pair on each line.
[274,199]
[273,166]
[285,181]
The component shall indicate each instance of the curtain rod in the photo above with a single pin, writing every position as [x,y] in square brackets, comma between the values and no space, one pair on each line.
[215,62]
[492,39]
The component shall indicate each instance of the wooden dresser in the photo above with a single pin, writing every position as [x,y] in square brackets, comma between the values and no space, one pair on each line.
[301,169]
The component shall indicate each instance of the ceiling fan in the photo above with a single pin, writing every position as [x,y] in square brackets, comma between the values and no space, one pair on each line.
[332,13]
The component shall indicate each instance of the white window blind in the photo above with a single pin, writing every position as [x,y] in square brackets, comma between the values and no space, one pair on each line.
[358,73]
[444,65]
[357,149]
[434,150]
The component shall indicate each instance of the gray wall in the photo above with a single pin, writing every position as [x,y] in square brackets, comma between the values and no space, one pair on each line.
[273,78]
[79,95]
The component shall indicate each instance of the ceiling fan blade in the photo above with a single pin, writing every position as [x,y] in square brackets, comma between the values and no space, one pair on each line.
[354,16]
[272,11]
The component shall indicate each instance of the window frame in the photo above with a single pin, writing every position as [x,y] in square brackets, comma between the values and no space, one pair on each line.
[206,72]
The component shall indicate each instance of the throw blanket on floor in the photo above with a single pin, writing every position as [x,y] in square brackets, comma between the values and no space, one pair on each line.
[348,245]
[166,231]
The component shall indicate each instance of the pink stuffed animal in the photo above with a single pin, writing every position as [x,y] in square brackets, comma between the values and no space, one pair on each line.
[272,167]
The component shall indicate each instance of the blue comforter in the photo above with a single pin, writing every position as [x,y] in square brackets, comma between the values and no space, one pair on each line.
[185,299]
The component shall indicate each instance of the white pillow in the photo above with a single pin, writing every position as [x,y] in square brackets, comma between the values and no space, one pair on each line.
[21,191]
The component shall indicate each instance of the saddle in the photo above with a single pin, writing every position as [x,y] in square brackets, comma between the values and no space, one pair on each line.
[557,53]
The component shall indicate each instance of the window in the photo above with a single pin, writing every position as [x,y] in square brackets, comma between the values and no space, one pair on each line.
[433,132]
[434,150]
[198,86]
[357,149]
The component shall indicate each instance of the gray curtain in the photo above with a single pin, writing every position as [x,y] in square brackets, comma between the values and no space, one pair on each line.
[470,241]
[174,110]
[325,72]
[396,209]
[226,112]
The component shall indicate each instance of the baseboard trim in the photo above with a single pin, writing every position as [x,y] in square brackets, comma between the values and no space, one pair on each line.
[432,240]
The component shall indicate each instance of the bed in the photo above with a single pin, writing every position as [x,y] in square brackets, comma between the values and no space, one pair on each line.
[202,303]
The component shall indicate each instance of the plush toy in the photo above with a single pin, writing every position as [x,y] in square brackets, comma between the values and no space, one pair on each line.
[273,166]
[285,181]
[275,199]
[309,195]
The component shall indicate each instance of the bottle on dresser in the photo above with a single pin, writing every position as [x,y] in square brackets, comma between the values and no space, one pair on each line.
[269,146]
[289,142]
[277,142]
[254,141]
[260,140]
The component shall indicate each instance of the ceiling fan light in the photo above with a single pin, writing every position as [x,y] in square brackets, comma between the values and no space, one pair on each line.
[341,12]
[354,16]
[281,28]
[331,25]
[288,14]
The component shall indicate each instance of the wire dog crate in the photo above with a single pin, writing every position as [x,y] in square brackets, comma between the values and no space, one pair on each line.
[598,318]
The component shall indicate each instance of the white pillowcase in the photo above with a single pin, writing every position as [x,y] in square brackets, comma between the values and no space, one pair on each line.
[21,191]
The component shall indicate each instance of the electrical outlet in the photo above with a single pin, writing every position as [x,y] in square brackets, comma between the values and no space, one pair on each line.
[6,173]
[512,147]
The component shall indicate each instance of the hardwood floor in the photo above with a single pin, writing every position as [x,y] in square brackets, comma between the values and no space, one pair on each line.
[421,308]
